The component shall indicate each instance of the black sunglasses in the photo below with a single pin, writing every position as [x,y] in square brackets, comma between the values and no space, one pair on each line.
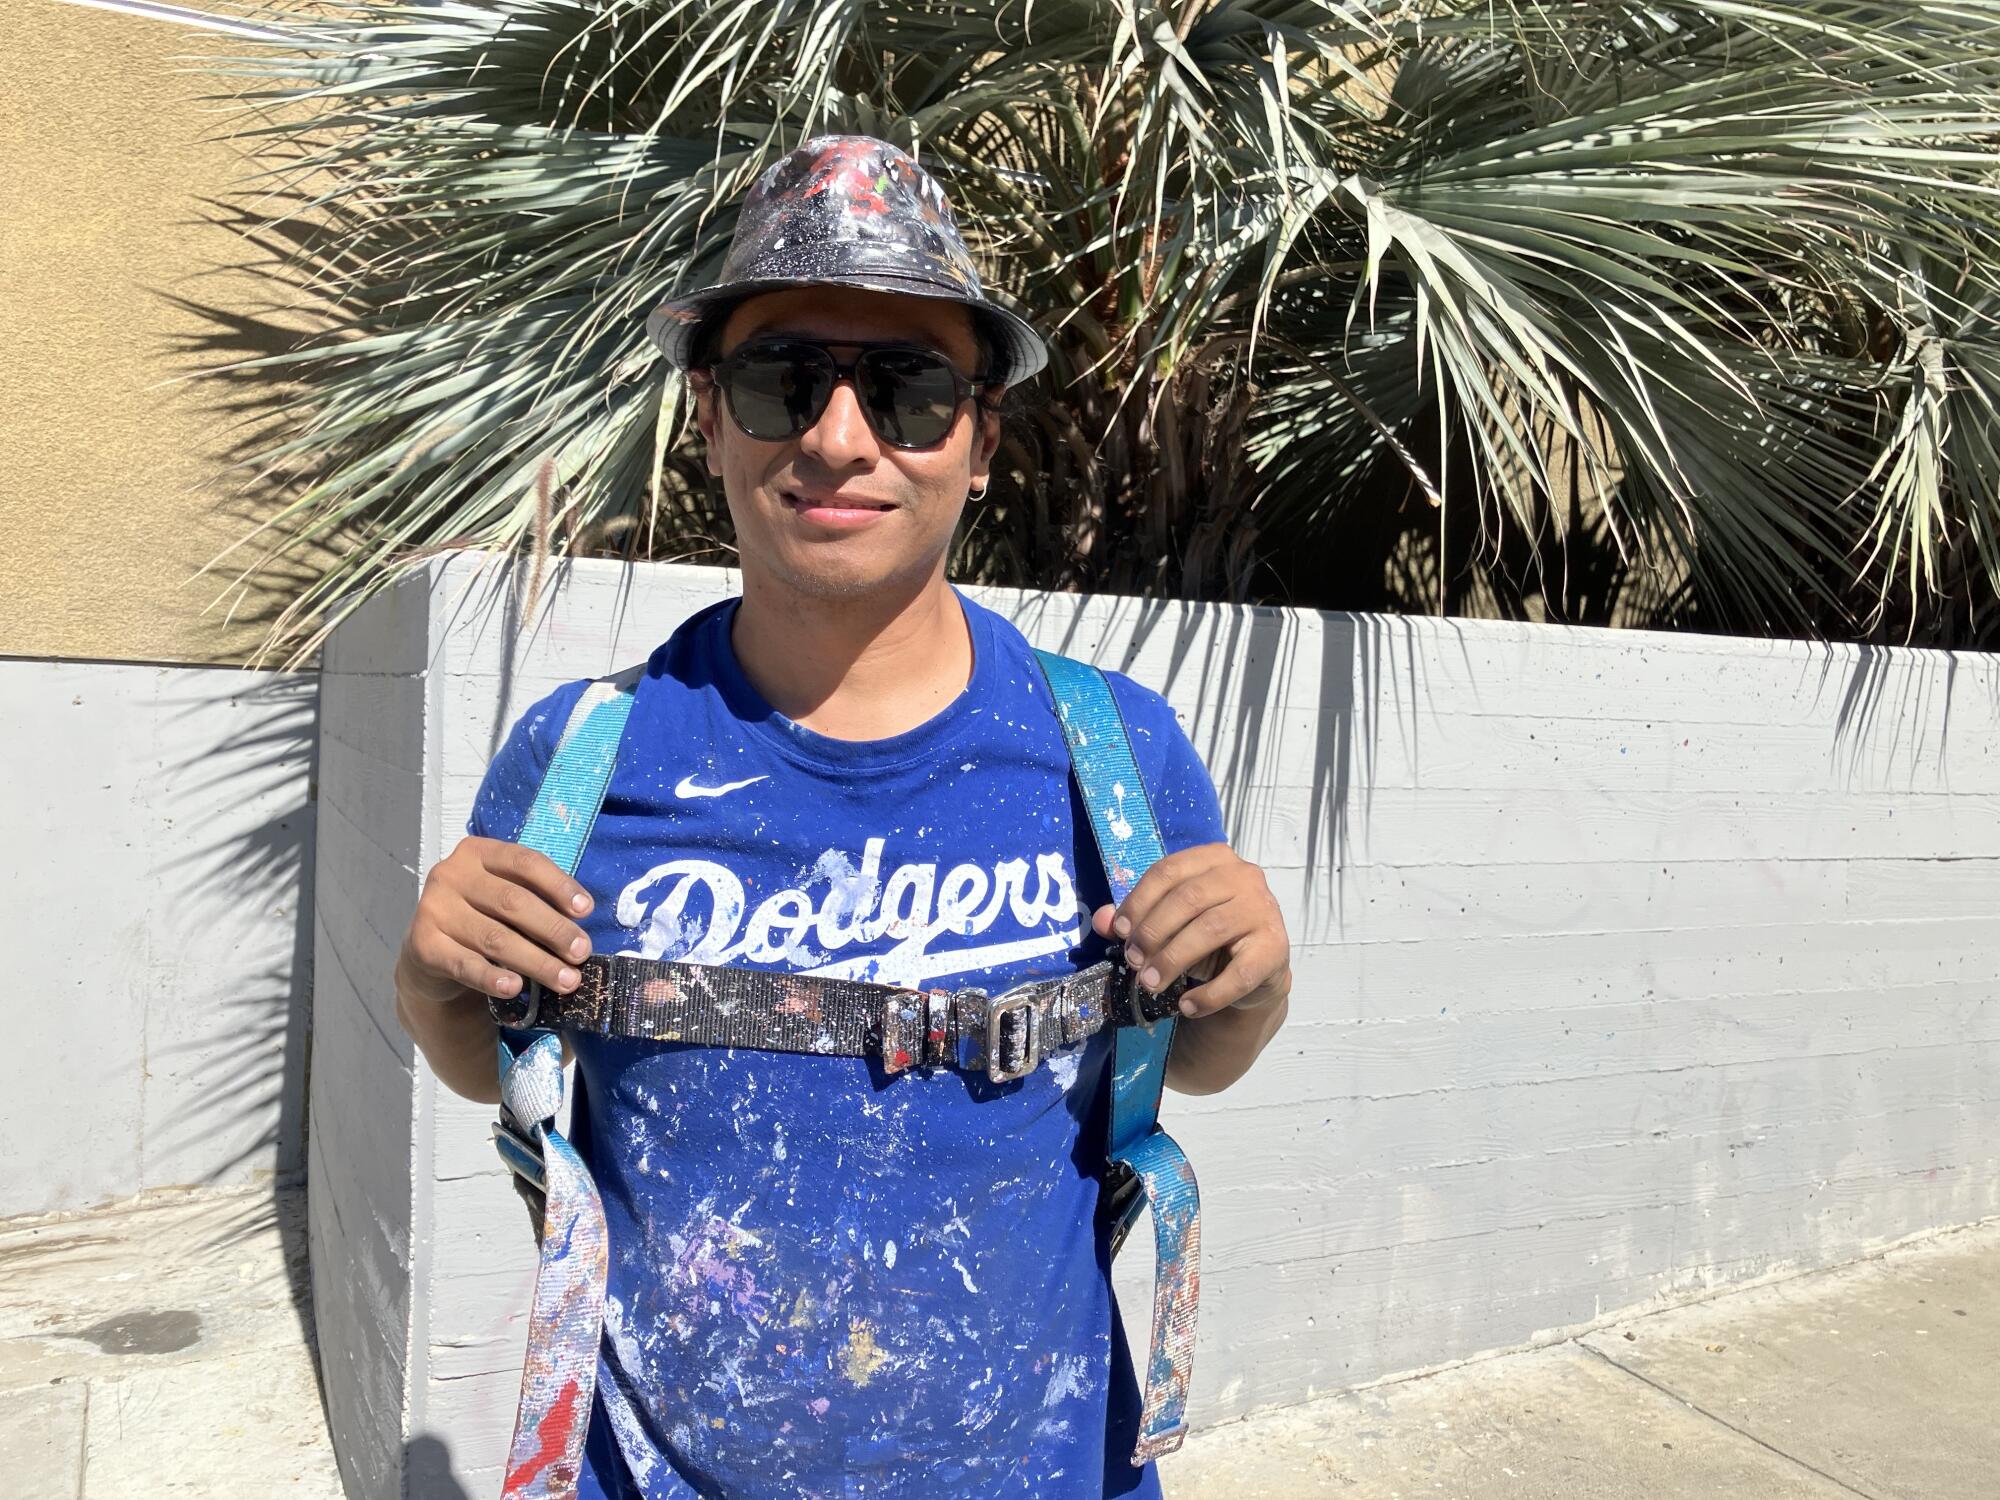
[777,388]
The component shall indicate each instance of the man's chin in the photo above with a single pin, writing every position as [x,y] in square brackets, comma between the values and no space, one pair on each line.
[836,572]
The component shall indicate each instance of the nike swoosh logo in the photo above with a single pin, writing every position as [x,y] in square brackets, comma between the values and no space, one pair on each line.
[924,968]
[687,787]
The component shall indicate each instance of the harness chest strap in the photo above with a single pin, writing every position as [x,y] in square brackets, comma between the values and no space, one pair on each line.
[1004,1036]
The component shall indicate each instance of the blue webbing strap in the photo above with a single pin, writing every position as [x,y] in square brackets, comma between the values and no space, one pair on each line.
[1128,841]
[566,1323]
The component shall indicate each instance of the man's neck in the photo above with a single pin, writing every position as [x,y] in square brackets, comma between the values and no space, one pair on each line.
[854,669]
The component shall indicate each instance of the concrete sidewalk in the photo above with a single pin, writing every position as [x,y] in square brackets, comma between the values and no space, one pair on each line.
[1879,1379]
[161,1350]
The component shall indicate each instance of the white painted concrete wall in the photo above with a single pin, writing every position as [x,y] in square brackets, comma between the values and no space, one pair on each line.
[1627,965]
[155,824]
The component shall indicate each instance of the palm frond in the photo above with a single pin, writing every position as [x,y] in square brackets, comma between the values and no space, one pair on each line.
[1352,302]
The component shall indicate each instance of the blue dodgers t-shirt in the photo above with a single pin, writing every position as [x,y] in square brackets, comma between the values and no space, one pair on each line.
[826,1281]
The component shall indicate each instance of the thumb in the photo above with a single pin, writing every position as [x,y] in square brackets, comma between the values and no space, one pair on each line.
[1100,920]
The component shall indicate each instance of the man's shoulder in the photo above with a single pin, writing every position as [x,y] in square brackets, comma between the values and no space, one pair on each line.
[680,658]
[538,727]
[534,732]
[1132,695]
[1160,743]
[1143,708]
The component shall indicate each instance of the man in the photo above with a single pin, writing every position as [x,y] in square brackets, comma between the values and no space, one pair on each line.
[827,1281]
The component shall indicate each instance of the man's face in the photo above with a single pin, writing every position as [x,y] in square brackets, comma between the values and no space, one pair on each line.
[835,511]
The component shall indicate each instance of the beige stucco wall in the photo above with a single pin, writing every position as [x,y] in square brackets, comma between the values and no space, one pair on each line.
[112,485]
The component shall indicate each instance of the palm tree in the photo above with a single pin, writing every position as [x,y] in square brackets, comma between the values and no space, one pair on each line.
[1646,312]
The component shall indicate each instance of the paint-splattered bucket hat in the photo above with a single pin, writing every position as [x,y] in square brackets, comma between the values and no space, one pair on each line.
[847,210]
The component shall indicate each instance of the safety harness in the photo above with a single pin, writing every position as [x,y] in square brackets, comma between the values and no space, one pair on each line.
[1004,1036]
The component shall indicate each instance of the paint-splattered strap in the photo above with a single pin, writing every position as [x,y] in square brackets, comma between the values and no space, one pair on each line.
[1162,1170]
[572,790]
[1142,1156]
[566,1321]
[1004,1036]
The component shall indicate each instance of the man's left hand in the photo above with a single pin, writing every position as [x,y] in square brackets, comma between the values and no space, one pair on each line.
[1208,913]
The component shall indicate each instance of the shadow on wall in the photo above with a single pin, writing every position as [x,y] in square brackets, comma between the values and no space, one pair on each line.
[1272,696]
[245,1070]
[1292,709]
[262,314]
[1894,712]
[427,1471]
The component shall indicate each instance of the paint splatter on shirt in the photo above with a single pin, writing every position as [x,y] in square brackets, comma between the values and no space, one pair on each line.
[827,1282]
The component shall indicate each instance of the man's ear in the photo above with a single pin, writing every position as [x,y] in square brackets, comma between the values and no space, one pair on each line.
[986,437]
[703,387]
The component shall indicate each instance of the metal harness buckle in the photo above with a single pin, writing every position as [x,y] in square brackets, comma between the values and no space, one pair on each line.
[1140,1006]
[1026,1033]
[521,1011]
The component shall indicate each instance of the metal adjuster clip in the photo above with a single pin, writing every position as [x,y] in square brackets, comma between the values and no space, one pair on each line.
[1139,1004]
[520,1011]
[1025,1031]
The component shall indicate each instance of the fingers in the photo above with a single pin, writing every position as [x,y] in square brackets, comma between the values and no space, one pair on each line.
[1210,930]
[530,915]
[1257,975]
[442,957]
[533,869]
[1164,877]
[1174,893]
[1206,911]
[492,915]
[470,942]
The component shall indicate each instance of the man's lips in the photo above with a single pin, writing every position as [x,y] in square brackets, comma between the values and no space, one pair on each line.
[836,510]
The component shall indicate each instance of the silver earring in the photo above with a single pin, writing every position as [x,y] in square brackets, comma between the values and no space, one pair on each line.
[978,494]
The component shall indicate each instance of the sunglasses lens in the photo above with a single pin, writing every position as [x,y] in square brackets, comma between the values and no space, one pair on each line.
[910,396]
[777,393]
[777,390]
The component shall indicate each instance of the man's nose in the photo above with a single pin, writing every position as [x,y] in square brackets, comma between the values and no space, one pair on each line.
[841,438]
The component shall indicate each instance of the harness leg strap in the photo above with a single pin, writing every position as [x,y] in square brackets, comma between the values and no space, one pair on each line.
[566,1320]
[1146,1169]
[560,1375]
[1166,1183]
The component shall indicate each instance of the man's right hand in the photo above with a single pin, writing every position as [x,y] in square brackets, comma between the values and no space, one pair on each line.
[491,914]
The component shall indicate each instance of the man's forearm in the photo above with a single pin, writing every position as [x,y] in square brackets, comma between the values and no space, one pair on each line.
[1211,1052]
[456,1037]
